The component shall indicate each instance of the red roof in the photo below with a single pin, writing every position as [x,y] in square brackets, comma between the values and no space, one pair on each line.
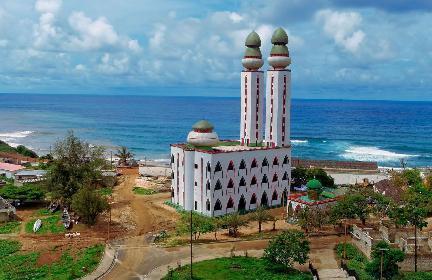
[10,167]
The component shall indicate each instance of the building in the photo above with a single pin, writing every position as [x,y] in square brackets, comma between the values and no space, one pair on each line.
[216,177]
[30,176]
[9,170]
[316,196]
[7,211]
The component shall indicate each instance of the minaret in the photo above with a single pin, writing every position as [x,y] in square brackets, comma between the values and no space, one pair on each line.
[278,92]
[252,91]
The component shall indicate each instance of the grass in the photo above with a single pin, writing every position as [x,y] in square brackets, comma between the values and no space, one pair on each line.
[357,261]
[143,191]
[415,276]
[44,212]
[9,227]
[106,191]
[17,265]
[51,224]
[235,268]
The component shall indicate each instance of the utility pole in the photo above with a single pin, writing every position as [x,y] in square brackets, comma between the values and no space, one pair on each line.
[345,240]
[191,275]
[382,261]
[415,247]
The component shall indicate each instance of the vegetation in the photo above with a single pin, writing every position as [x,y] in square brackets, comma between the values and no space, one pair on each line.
[300,176]
[17,265]
[143,191]
[355,260]
[313,218]
[389,257]
[124,155]
[232,222]
[76,164]
[261,215]
[235,268]
[88,203]
[51,224]
[5,147]
[25,192]
[287,248]
[9,227]
[107,191]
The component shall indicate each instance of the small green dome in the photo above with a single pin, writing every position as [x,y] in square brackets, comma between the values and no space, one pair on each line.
[279,37]
[279,50]
[203,124]
[253,40]
[314,184]
[255,52]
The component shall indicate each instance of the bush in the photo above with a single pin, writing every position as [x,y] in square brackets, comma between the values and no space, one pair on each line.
[25,192]
[9,227]
[89,204]
[8,247]
[143,191]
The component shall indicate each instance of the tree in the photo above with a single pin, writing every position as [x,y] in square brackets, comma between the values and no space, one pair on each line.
[287,248]
[233,222]
[88,203]
[26,151]
[303,219]
[261,215]
[25,192]
[320,175]
[428,181]
[351,206]
[200,224]
[76,164]
[386,258]
[124,155]
[412,176]
[299,176]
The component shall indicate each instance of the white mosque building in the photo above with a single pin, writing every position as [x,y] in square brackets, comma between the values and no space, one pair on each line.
[216,177]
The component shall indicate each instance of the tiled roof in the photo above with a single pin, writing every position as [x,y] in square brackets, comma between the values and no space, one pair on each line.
[10,167]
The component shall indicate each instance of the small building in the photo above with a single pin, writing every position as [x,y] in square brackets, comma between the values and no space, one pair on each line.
[9,170]
[7,211]
[30,176]
[387,188]
[316,196]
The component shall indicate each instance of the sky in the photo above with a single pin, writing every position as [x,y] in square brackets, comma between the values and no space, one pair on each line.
[344,49]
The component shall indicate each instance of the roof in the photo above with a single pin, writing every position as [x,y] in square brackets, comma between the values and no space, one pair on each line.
[314,184]
[10,167]
[31,173]
[279,37]
[386,188]
[253,40]
[253,52]
[279,50]
[203,124]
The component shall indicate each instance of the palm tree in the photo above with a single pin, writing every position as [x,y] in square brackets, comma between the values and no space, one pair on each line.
[124,155]
[233,222]
[261,215]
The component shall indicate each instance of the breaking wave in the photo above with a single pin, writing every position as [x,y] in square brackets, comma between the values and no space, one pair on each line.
[373,154]
[299,142]
[16,134]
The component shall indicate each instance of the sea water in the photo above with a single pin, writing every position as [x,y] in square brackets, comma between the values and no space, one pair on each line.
[382,131]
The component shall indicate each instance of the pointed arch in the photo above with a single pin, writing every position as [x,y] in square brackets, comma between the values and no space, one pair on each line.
[230,184]
[172,174]
[253,181]
[242,164]
[275,178]
[254,163]
[242,205]
[242,182]
[264,199]
[264,179]
[286,160]
[253,199]
[218,167]
[265,162]
[275,161]
[231,165]
[275,195]
[230,203]
[172,159]
[218,205]
[218,185]
[208,205]
[208,185]
[208,167]
[285,176]
[284,197]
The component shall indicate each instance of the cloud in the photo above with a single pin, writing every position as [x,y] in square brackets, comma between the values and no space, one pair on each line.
[46,30]
[397,6]
[48,6]
[343,28]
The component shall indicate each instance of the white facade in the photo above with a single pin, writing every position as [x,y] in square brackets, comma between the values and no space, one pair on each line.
[252,92]
[240,176]
[278,104]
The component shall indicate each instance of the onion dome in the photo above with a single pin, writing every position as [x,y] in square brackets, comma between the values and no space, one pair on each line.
[314,184]
[279,37]
[202,134]
[252,59]
[279,56]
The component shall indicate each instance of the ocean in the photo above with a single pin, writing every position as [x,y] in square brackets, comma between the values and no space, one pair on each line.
[382,131]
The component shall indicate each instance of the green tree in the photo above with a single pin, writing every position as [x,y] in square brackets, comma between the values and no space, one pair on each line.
[320,175]
[26,151]
[200,224]
[76,164]
[412,176]
[428,181]
[351,206]
[233,222]
[383,252]
[88,203]
[287,248]
[25,192]
[124,155]
[299,176]
[261,215]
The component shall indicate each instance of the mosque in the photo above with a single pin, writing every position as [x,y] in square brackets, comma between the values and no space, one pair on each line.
[216,177]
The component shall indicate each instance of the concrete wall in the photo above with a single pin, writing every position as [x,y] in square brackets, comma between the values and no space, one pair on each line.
[424,263]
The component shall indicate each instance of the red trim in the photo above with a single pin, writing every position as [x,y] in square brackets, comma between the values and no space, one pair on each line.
[285,55]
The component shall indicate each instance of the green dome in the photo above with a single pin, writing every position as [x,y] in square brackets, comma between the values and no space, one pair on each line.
[253,52]
[314,184]
[203,124]
[279,37]
[253,40]
[279,50]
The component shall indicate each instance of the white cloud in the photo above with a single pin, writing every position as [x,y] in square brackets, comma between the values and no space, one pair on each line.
[48,6]
[46,30]
[113,65]
[343,27]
